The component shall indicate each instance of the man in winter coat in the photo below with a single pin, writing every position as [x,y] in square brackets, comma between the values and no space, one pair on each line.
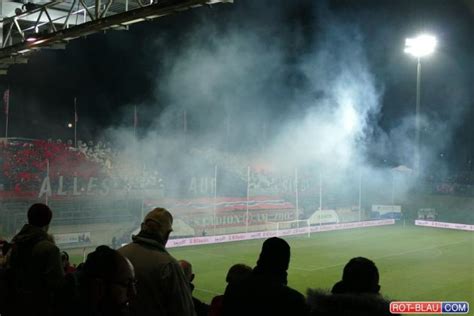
[162,288]
[34,266]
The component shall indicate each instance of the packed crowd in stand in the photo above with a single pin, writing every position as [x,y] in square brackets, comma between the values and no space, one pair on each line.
[25,163]
[142,278]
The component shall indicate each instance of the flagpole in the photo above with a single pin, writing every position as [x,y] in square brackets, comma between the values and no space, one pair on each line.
[47,176]
[296,194]
[75,122]
[6,100]
[320,196]
[215,198]
[360,194]
[143,195]
[6,126]
[185,125]
[248,194]
[135,118]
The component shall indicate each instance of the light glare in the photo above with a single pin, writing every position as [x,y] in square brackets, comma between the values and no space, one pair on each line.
[420,46]
[349,118]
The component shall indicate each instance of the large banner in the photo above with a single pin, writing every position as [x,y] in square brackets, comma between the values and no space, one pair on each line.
[72,238]
[444,225]
[324,217]
[386,211]
[227,211]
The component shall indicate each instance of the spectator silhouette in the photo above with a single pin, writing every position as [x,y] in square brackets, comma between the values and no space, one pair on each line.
[6,246]
[236,275]
[360,275]
[162,287]
[266,291]
[104,286]
[34,266]
[201,308]
[356,294]
[68,268]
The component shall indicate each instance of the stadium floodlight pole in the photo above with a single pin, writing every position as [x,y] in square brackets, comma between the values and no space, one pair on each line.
[420,46]
[248,194]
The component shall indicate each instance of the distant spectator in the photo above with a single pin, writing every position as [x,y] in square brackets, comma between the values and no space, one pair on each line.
[162,287]
[68,268]
[35,266]
[357,294]
[201,308]
[5,246]
[104,286]
[266,291]
[236,275]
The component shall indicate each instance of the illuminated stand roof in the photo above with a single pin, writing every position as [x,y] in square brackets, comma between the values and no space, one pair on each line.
[27,27]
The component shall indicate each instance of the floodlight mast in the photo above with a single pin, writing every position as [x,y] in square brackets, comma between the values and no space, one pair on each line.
[420,46]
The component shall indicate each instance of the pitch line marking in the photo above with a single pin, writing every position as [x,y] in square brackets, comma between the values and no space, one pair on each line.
[383,257]
[207,291]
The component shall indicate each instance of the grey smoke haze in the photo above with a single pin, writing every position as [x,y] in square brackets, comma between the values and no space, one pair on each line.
[287,97]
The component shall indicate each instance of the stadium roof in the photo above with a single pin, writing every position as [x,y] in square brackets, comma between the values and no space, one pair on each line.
[51,24]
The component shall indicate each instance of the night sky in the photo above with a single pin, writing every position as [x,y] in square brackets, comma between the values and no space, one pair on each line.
[111,72]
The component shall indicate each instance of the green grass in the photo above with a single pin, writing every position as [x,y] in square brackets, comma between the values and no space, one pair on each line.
[415,263]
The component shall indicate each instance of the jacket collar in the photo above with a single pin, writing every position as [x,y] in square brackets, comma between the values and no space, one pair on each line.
[149,240]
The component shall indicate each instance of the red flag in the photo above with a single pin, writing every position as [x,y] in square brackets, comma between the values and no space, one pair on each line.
[6,101]
[135,118]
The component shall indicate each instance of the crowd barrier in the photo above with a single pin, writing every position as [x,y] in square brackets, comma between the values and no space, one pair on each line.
[444,225]
[181,242]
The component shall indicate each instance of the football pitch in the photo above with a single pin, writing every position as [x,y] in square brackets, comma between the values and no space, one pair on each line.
[415,263]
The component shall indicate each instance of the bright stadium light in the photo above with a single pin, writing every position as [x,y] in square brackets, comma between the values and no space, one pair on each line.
[420,46]
[69,125]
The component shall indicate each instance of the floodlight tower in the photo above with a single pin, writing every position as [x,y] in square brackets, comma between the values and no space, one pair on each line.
[420,46]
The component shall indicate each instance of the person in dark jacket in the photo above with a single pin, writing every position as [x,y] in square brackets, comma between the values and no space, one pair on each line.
[266,291]
[68,268]
[237,274]
[34,266]
[103,287]
[358,293]
[201,308]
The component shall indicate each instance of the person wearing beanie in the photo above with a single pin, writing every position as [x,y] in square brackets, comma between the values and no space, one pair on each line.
[266,291]
[360,275]
[34,265]
[162,287]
